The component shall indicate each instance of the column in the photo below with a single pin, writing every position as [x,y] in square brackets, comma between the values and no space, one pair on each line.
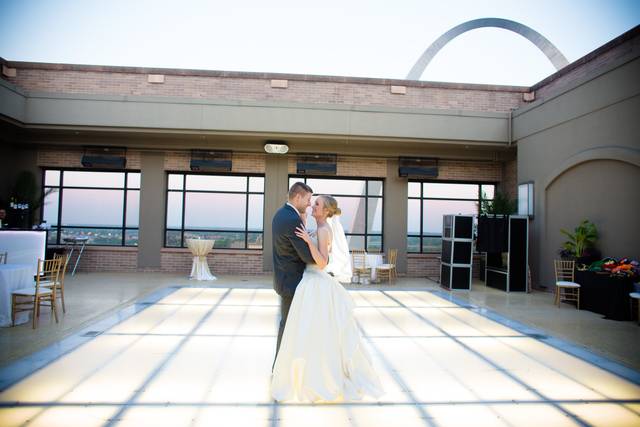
[276,188]
[395,214]
[153,194]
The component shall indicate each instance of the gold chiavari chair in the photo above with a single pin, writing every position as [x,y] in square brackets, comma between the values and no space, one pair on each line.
[359,262]
[59,284]
[566,287]
[388,269]
[32,298]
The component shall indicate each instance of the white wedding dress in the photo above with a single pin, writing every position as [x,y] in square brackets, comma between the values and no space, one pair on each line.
[322,357]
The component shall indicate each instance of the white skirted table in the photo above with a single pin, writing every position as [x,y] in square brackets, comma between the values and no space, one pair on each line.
[23,247]
[13,277]
[200,248]
[374,260]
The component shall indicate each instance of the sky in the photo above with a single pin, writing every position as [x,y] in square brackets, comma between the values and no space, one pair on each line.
[374,38]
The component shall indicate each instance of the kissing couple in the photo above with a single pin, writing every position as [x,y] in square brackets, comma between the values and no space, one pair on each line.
[320,354]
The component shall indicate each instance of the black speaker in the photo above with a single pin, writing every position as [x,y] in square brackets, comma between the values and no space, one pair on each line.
[211,161]
[317,164]
[417,167]
[104,157]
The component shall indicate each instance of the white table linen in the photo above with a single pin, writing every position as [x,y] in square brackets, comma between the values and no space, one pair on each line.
[373,260]
[200,269]
[23,247]
[13,277]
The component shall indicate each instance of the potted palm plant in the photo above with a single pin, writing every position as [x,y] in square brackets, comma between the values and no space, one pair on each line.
[581,242]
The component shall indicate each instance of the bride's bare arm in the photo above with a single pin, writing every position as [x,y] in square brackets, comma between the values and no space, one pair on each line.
[319,253]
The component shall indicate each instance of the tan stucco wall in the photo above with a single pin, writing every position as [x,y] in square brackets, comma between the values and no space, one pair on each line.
[576,148]
[603,192]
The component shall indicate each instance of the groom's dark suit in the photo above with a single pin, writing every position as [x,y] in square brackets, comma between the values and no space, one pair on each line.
[290,256]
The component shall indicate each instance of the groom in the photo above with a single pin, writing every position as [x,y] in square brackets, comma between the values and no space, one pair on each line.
[291,254]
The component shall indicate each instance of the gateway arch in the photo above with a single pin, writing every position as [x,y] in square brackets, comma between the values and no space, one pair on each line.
[555,56]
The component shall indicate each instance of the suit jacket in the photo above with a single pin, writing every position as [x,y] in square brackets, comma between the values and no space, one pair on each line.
[290,253]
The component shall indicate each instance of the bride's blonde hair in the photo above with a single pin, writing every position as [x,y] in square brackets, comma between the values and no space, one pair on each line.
[331,205]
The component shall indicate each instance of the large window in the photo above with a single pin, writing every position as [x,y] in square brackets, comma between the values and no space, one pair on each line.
[361,202]
[429,201]
[102,206]
[226,208]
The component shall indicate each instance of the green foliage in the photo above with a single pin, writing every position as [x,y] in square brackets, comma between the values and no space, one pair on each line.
[584,236]
[500,205]
[25,188]
[26,191]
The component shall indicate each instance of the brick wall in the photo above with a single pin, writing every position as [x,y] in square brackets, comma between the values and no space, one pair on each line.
[428,265]
[255,163]
[178,260]
[173,260]
[104,258]
[217,85]
[308,89]
[448,170]
[510,179]
[469,170]
[68,157]
[353,166]
[620,47]
[423,265]
[241,162]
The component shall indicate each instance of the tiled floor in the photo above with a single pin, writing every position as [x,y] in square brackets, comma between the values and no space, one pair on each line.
[191,356]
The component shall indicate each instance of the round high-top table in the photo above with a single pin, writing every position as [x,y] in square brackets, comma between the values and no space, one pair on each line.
[199,249]
[12,278]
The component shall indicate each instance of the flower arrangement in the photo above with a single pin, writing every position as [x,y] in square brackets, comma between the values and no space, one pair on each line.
[18,206]
[624,267]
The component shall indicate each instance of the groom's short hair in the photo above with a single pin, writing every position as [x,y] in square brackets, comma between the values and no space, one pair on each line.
[299,188]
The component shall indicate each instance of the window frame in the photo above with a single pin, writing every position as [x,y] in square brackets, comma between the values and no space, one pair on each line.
[60,187]
[366,196]
[184,192]
[422,198]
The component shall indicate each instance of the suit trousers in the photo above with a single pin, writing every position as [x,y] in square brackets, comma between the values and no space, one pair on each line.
[285,304]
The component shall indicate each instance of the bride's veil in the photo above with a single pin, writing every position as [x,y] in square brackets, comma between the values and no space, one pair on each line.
[339,260]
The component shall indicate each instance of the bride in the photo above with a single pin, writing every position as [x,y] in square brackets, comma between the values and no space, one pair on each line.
[322,356]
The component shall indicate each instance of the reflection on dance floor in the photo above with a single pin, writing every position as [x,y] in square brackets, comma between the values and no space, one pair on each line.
[202,357]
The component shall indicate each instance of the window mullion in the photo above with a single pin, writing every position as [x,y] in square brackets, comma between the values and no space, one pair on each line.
[421,216]
[124,211]
[184,203]
[366,214]
[61,184]
[246,217]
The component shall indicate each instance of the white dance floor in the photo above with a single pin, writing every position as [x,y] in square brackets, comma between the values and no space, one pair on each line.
[202,357]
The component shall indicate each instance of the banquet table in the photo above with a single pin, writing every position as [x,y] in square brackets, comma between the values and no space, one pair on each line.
[604,294]
[23,247]
[13,277]
[199,249]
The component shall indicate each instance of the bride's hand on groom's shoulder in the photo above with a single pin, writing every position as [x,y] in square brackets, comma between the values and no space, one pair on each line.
[302,233]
